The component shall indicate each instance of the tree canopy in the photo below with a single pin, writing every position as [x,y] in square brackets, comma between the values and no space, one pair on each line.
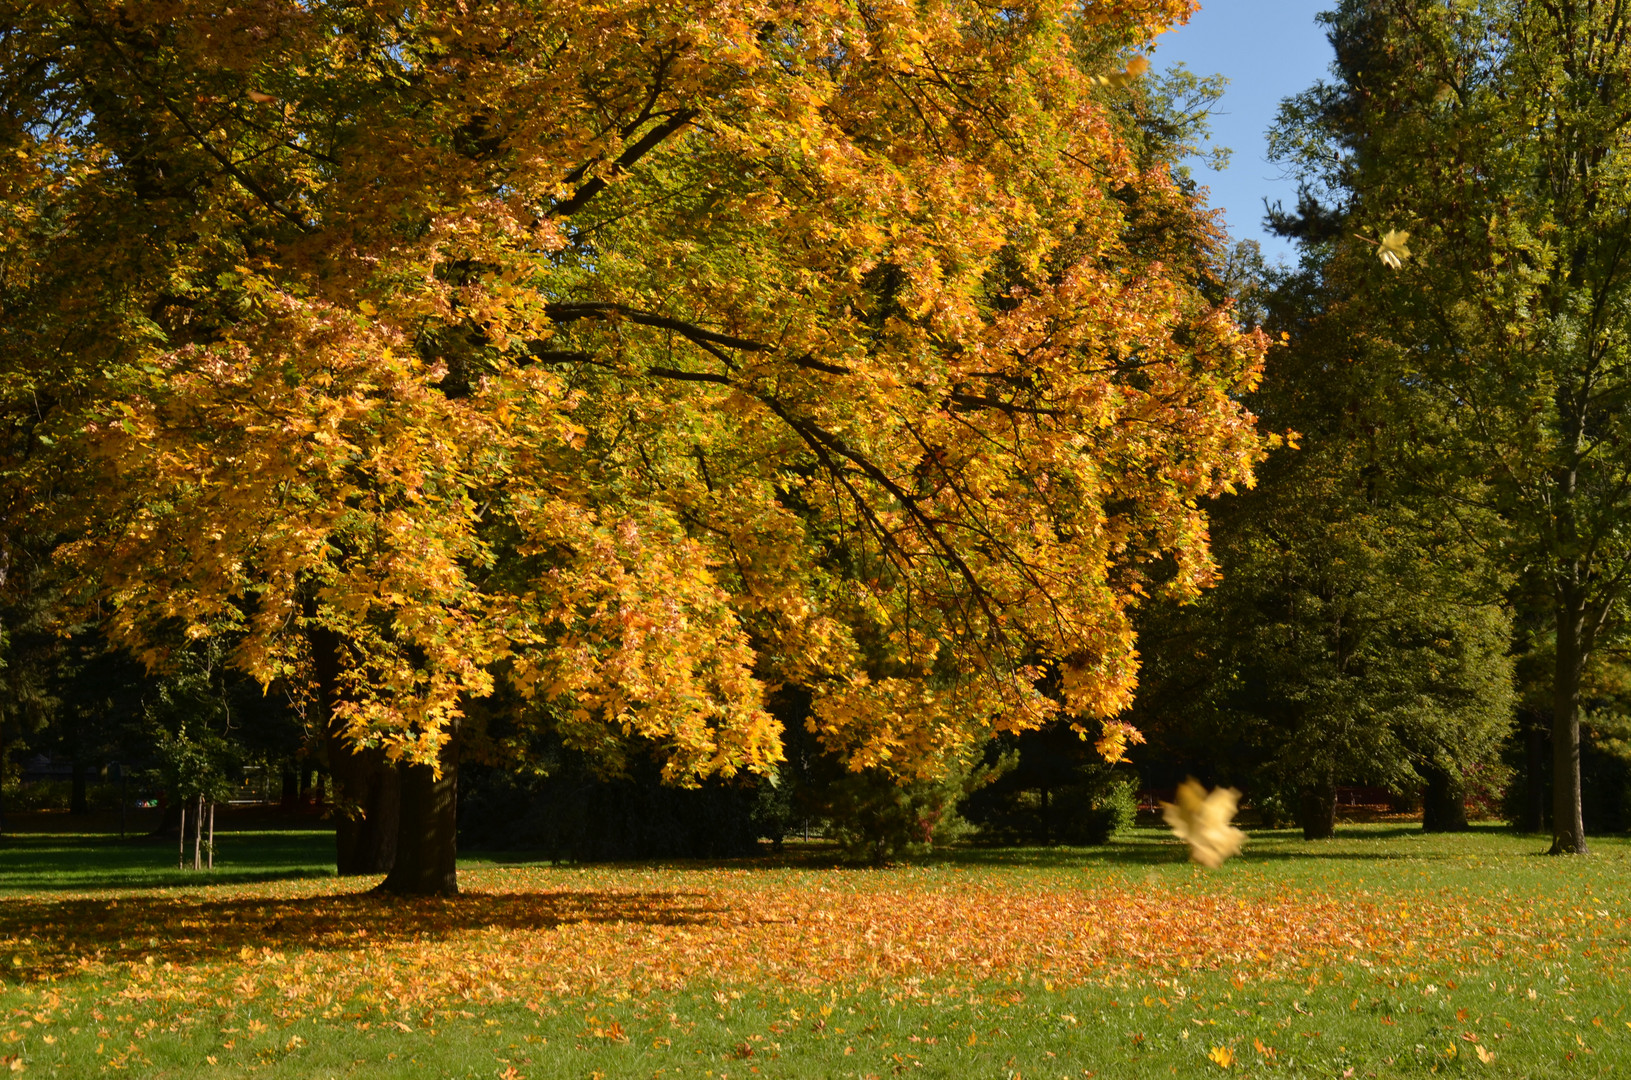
[625,358]
[1494,134]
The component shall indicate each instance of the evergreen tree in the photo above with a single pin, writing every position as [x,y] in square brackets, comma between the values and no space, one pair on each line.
[1359,633]
[1491,135]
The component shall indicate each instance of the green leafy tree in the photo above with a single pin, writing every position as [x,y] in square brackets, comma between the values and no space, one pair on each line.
[1359,633]
[1494,133]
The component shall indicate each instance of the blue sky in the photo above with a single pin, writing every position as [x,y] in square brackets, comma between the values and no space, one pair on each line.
[1269,50]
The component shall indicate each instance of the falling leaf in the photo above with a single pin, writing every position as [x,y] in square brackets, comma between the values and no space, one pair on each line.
[259,98]
[1223,1056]
[1392,250]
[1201,820]
[1137,66]
[1486,1056]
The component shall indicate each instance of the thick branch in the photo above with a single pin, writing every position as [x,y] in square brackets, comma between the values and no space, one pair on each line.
[631,154]
[563,313]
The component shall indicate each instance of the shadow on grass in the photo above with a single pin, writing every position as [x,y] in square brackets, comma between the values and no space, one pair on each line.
[52,938]
[1149,848]
[76,863]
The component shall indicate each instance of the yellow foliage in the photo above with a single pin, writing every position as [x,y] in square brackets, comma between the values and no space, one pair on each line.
[622,362]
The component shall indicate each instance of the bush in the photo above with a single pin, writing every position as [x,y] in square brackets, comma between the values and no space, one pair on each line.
[875,818]
[1112,810]
[1049,798]
[39,795]
[58,794]
[1274,810]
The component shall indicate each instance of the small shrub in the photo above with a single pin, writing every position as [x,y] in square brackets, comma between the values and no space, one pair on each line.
[1088,803]
[1111,811]
[41,795]
[1273,809]
[874,818]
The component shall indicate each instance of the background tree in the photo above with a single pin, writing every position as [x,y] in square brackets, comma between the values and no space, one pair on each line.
[1360,633]
[1495,133]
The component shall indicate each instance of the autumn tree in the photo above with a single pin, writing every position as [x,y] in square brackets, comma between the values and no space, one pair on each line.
[618,361]
[1494,134]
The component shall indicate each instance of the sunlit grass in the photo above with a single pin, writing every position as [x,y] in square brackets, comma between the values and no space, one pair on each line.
[1384,951]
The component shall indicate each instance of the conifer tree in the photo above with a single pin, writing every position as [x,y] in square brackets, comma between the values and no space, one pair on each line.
[1465,169]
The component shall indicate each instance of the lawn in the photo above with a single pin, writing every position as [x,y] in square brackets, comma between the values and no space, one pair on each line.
[1382,953]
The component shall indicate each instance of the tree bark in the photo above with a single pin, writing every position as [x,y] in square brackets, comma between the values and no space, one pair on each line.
[366,789]
[427,838]
[367,798]
[1443,804]
[1317,810]
[1532,815]
[78,802]
[289,793]
[1568,826]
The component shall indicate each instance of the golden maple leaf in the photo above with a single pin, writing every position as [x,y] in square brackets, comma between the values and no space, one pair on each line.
[1137,66]
[1224,1056]
[1392,250]
[1201,820]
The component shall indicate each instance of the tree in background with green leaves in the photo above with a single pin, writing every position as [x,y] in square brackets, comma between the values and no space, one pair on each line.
[1495,133]
[1359,633]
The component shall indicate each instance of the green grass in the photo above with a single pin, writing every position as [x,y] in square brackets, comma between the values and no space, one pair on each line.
[68,862]
[792,967]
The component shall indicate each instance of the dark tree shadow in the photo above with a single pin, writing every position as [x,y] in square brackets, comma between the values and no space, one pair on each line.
[62,934]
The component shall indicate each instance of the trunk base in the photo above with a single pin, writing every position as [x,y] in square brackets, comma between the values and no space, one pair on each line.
[1317,811]
[1573,647]
[1443,804]
[427,843]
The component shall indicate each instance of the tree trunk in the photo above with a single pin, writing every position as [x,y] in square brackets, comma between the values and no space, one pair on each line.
[1443,803]
[427,837]
[78,803]
[367,805]
[1317,810]
[1568,828]
[366,790]
[289,794]
[1532,815]
[169,816]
